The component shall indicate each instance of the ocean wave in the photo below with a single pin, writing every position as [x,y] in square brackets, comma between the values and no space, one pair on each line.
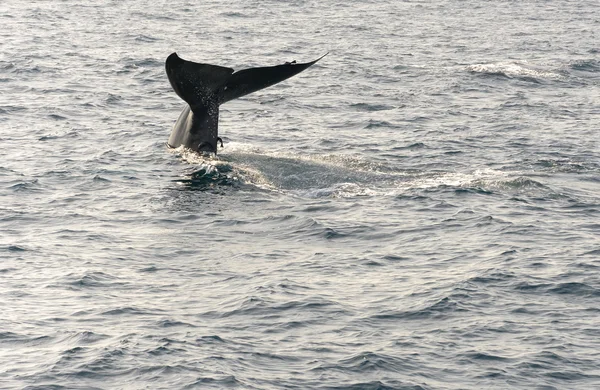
[370,107]
[127,310]
[436,310]
[209,178]
[32,185]
[375,124]
[10,109]
[9,336]
[375,385]
[371,361]
[566,165]
[222,381]
[13,338]
[288,226]
[168,323]
[146,38]
[575,288]
[92,279]
[338,190]
[278,312]
[482,356]
[13,248]
[568,288]
[591,66]
[516,70]
[494,278]
[484,182]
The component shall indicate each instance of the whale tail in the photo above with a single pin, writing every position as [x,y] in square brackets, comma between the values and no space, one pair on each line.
[200,85]
[251,80]
[205,87]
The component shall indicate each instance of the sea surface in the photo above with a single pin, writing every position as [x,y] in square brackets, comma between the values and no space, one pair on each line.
[418,210]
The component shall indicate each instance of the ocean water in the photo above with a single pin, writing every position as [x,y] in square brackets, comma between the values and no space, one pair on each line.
[419,210]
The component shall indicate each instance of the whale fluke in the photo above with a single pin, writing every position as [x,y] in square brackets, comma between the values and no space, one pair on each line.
[204,87]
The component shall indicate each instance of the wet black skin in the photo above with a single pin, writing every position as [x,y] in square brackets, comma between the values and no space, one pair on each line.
[205,87]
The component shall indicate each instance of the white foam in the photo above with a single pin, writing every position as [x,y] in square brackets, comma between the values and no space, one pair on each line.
[319,176]
[454,179]
[514,69]
[338,190]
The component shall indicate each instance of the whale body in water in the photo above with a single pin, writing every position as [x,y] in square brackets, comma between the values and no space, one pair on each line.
[205,87]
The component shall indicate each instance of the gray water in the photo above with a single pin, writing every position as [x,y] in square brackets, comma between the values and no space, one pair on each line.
[419,210]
